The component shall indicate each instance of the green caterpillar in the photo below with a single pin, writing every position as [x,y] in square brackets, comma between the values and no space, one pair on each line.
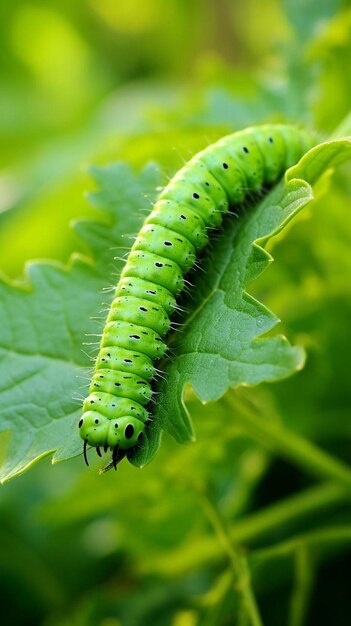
[214,181]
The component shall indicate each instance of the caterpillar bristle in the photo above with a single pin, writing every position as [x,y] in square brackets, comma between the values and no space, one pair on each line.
[121,258]
[79,400]
[158,377]
[92,343]
[82,377]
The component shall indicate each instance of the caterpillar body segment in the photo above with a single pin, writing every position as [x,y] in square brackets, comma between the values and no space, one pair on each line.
[222,176]
[181,219]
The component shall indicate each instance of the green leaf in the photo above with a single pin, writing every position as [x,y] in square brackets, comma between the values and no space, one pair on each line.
[221,344]
[44,324]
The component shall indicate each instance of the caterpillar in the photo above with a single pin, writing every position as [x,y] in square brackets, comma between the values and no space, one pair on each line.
[214,181]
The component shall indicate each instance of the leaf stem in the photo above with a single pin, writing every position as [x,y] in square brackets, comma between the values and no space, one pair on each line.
[238,562]
[303,581]
[251,528]
[339,534]
[310,501]
[300,451]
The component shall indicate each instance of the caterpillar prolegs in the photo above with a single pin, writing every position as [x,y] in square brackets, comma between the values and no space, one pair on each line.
[214,181]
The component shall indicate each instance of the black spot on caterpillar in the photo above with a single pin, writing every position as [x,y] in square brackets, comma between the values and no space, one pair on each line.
[194,201]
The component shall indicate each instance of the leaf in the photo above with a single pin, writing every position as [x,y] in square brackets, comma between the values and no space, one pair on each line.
[44,324]
[44,327]
[221,344]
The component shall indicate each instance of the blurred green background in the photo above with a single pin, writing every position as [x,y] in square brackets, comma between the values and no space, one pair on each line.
[98,80]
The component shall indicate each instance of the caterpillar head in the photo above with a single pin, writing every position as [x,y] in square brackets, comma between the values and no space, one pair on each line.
[97,430]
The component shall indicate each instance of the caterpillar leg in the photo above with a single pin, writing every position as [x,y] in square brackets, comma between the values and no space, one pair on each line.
[85,452]
[117,455]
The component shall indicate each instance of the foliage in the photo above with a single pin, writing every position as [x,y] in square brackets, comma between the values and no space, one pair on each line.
[259,504]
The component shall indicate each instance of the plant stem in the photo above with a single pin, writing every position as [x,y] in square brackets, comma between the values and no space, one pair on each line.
[313,500]
[303,581]
[315,539]
[241,572]
[195,553]
[287,444]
